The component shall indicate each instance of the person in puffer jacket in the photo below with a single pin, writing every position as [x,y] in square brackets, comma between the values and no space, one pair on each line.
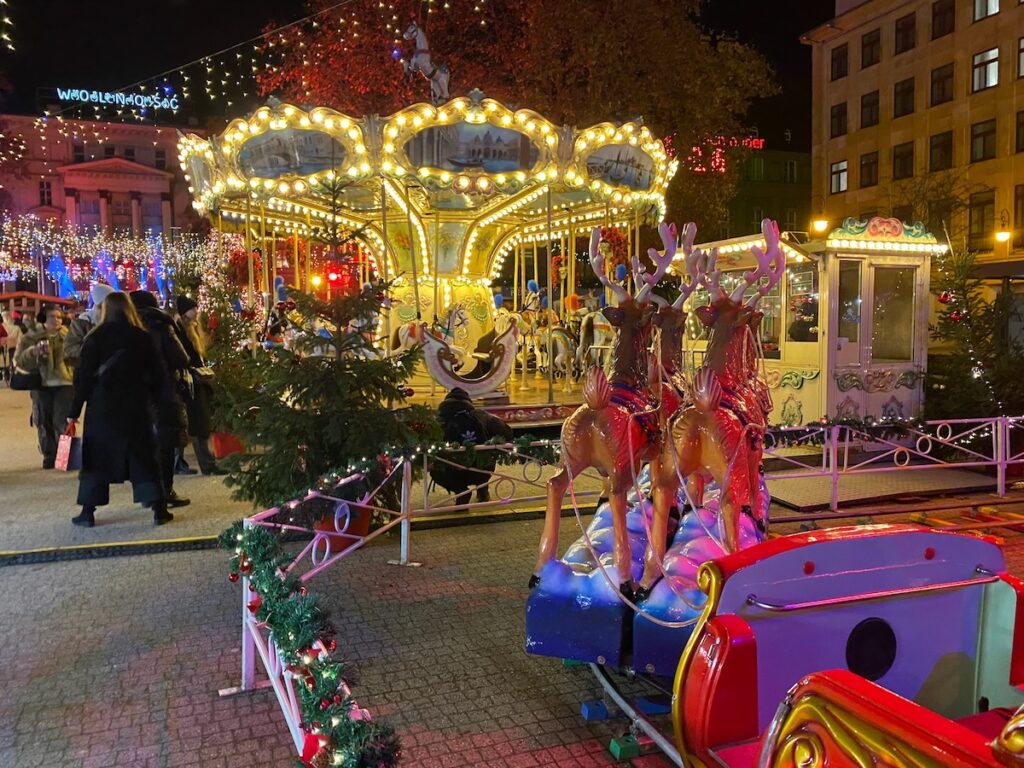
[84,323]
[42,349]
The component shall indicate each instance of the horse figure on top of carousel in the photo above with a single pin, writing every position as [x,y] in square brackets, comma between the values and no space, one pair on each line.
[422,63]
[722,433]
[617,427]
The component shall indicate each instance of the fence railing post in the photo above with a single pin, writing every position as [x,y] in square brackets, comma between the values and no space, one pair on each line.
[248,642]
[1002,435]
[406,525]
[833,459]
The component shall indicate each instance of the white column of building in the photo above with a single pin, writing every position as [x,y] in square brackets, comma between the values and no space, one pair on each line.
[71,207]
[105,210]
[166,219]
[136,214]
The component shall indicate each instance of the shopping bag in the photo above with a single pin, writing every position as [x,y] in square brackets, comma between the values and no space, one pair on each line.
[69,451]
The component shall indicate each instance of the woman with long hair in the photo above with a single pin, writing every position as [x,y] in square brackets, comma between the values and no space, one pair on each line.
[120,376]
[197,401]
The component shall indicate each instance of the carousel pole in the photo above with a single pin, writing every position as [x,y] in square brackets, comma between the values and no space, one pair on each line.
[384,266]
[295,256]
[263,247]
[220,237]
[437,264]
[536,277]
[524,384]
[248,247]
[273,265]
[309,251]
[551,360]
[412,253]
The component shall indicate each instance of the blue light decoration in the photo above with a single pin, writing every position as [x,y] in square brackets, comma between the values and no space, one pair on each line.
[620,272]
[499,300]
[159,274]
[532,286]
[396,54]
[104,271]
[58,272]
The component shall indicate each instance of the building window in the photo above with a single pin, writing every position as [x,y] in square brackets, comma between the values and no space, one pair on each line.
[870,49]
[129,153]
[161,159]
[940,215]
[1020,57]
[981,214]
[789,220]
[838,176]
[903,97]
[903,213]
[840,62]
[983,141]
[869,109]
[78,152]
[791,172]
[985,8]
[940,152]
[839,120]
[755,169]
[1020,132]
[45,193]
[942,84]
[906,33]
[892,316]
[121,207]
[869,169]
[903,161]
[758,217]
[943,18]
[985,71]
[108,150]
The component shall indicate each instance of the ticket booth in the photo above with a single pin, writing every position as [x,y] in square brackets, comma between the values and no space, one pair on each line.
[845,331]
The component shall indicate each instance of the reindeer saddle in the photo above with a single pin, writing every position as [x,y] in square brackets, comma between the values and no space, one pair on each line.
[642,404]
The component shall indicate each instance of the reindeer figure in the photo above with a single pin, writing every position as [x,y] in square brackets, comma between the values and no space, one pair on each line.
[606,432]
[421,62]
[721,434]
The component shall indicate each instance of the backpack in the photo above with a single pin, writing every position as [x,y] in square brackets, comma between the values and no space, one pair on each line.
[462,426]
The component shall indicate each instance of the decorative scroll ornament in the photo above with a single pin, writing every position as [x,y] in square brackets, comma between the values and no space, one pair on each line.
[792,412]
[795,379]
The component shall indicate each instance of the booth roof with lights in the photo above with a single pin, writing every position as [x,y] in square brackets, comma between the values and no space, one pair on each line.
[845,331]
[448,190]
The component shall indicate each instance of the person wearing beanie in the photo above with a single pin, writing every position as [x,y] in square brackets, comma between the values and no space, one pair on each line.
[197,404]
[171,418]
[84,323]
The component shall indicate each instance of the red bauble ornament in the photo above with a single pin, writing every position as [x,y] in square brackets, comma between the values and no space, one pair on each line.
[232,577]
[245,567]
[338,698]
[331,645]
[255,603]
[945,297]
[303,591]
[408,391]
[956,316]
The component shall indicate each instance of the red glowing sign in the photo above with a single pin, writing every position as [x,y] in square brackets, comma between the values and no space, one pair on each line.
[710,158]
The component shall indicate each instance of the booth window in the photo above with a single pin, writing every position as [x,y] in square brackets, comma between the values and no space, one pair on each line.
[839,180]
[940,151]
[892,319]
[770,305]
[870,48]
[802,308]
[869,109]
[942,84]
[943,18]
[840,61]
[849,301]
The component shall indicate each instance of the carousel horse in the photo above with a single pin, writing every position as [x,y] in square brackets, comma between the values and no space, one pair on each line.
[722,432]
[563,351]
[421,62]
[616,429]
[595,341]
[413,334]
[489,373]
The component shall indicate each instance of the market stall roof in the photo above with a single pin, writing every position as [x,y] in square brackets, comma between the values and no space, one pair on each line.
[735,253]
[474,166]
[884,235]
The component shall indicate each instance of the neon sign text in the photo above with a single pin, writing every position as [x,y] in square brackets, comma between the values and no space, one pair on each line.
[155,100]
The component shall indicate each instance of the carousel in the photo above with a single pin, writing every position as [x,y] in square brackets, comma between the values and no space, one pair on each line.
[439,198]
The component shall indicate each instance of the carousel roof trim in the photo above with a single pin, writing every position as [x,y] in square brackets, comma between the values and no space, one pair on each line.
[743,244]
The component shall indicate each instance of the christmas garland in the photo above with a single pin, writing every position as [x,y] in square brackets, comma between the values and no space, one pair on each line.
[337,734]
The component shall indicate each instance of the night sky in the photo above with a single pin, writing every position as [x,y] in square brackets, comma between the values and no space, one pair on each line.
[118,42]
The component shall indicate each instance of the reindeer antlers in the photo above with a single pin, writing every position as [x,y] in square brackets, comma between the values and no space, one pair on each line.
[771,262]
[597,264]
[662,261]
[692,263]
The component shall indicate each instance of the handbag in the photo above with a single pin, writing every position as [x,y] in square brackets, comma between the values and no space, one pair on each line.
[69,451]
[26,380]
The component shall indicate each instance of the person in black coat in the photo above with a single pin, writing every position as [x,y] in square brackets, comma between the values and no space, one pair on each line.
[171,419]
[120,375]
[463,423]
[198,401]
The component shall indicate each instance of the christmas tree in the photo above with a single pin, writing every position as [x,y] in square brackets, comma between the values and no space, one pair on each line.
[326,402]
[978,368]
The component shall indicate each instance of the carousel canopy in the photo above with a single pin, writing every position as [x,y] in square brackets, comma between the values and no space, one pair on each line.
[453,187]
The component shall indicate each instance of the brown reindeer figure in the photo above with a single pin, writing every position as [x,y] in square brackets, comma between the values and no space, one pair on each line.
[721,433]
[609,432]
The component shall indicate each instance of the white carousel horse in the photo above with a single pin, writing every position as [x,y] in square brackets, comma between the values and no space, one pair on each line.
[422,63]
[596,338]
[563,350]
[412,334]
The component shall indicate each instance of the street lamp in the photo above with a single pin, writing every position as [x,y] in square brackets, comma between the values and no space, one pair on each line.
[1003,233]
[819,225]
